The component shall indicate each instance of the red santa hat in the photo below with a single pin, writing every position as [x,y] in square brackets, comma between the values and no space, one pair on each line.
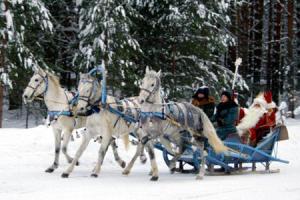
[260,100]
[265,100]
[270,102]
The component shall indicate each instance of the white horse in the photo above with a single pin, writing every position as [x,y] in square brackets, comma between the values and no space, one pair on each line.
[103,122]
[158,119]
[57,101]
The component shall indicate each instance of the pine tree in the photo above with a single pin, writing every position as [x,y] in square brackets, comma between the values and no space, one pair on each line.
[25,26]
[185,40]
[64,43]
[106,36]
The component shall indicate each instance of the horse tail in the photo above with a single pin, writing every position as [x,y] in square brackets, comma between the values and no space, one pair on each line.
[210,133]
[126,141]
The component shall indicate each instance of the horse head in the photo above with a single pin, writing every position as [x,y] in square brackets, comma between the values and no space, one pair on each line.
[150,86]
[89,93]
[37,85]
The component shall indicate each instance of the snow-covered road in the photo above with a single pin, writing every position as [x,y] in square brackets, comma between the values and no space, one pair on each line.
[26,153]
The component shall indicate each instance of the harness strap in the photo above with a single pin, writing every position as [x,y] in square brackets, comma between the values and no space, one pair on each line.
[115,124]
[120,114]
[159,115]
[66,113]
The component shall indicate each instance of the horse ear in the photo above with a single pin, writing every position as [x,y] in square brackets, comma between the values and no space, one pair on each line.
[158,73]
[147,70]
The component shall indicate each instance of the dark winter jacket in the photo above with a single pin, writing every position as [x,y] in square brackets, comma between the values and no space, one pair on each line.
[226,117]
[206,104]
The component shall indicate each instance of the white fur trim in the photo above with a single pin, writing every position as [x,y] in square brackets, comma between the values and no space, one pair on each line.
[260,101]
[271,105]
[251,118]
[246,110]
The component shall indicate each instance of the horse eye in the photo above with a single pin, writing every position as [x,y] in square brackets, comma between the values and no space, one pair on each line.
[152,85]
[36,80]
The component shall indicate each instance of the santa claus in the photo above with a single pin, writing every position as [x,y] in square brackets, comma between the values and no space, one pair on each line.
[259,119]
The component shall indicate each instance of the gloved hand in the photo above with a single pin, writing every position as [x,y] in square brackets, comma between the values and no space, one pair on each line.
[220,122]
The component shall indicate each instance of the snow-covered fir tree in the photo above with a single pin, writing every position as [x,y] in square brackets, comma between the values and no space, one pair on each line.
[106,36]
[25,27]
[186,40]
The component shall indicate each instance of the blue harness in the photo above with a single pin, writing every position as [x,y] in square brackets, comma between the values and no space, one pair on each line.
[59,113]
[123,115]
[160,115]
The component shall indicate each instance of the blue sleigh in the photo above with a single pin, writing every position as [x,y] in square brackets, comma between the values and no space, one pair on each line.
[264,153]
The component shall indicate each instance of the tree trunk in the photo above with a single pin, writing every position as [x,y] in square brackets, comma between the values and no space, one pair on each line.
[257,54]
[269,54]
[2,61]
[276,52]
[291,75]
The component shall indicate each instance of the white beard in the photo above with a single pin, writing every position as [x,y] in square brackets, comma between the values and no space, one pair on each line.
[250,120]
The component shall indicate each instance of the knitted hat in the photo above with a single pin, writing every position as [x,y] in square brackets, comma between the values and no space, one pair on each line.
[202,90]
[227,94]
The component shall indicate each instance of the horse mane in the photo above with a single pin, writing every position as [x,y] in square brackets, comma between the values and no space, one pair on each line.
[87,76]
[54,78]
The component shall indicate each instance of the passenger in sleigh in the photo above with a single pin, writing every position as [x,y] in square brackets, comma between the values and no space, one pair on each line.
[260,118]
[203,100]
[226,117]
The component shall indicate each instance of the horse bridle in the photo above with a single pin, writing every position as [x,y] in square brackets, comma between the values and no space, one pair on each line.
[87,98]
[44,79]
[150,93]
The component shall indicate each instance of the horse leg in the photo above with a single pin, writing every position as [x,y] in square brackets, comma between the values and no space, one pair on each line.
[102,151]
[154,168]
[203,153]
[138,152]
[57,140]
[172,165]
[143,157]
[116,155]
[85,141]
[66,139]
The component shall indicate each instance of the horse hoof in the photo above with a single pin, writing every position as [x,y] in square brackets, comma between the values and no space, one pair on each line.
[143,159]
[65,175]
[154,178]
[172,171]
[77,163]
[123,164]
[49,170]
[199,177]
[125,172]
[94,175]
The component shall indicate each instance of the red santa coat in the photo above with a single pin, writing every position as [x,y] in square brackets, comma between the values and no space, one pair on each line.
[263,126]
[241,115]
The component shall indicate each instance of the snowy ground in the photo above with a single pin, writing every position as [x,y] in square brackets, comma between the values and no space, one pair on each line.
[26,153]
